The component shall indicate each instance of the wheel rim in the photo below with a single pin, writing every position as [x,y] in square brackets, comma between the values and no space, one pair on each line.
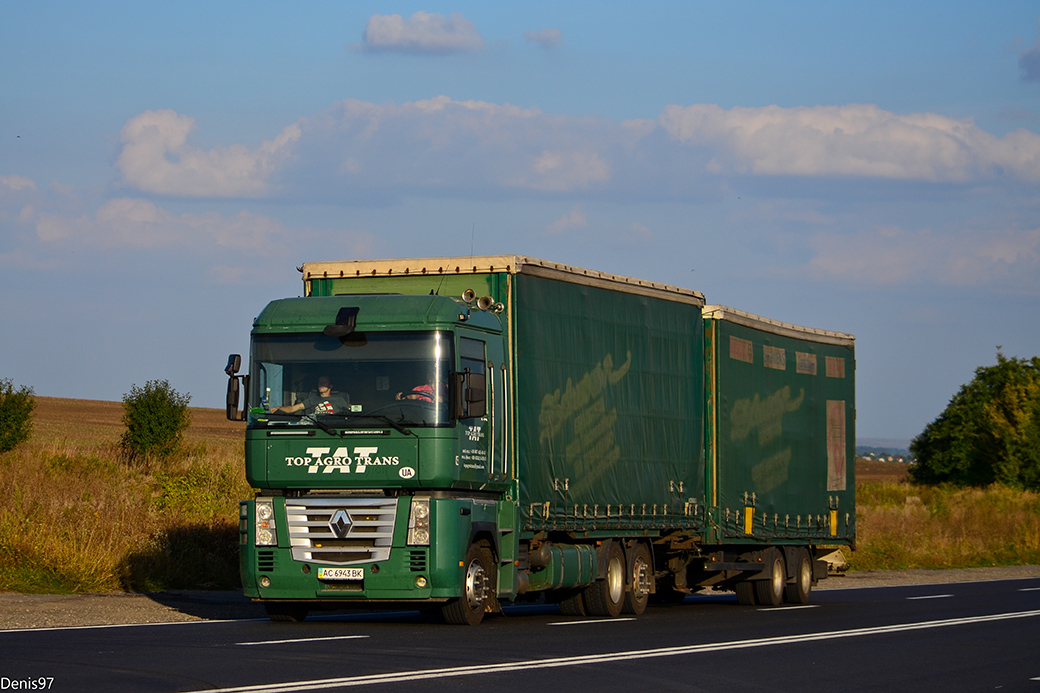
[778,577]
[805,575]
[476,584]
[615,579]
[641,578]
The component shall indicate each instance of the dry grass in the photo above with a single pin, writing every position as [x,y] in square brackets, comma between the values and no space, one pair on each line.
[74,517]
[902,525]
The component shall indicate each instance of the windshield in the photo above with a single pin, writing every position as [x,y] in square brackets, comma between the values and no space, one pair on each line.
[362,380]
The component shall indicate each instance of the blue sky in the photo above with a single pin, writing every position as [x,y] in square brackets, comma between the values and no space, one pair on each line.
[872,169]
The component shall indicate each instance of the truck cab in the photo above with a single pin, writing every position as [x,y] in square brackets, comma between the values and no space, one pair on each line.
[371,439]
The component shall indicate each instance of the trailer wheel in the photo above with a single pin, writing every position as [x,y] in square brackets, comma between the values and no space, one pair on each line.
[770,592]
[606,597]
[745,592]
[642,580]
[285,613]
[478,581]
[797,592]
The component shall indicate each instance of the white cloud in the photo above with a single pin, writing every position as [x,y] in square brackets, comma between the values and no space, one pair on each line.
[1007,259]
[549,37]
[440,147]
[423,32]
[572,219]
[854,140]
[443,147]
[559,171]
[18,195]
[157,158]
[141,223]
[17,183]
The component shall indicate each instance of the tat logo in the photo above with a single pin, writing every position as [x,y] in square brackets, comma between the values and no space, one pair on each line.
[341,460]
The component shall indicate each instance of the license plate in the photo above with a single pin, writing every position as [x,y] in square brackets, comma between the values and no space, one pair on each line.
[341,573]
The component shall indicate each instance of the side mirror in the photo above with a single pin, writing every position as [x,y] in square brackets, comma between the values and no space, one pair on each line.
[234,364]
[470,395]
[476,396]
[232,399]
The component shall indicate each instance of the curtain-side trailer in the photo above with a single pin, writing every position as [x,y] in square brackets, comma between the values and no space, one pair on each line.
[463,432]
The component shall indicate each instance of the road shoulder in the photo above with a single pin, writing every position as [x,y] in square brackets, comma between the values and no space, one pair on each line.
[30,611]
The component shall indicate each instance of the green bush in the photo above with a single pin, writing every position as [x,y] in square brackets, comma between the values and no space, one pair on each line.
[989,433]
[16,410]
[156,417]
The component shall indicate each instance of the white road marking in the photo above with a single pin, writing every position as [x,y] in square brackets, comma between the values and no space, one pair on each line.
[585,623]
[606,657]
[788,608]
[1030,589]
[931,596]
[280,642]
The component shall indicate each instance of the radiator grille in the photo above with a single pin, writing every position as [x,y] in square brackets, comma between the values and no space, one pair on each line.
[364,536]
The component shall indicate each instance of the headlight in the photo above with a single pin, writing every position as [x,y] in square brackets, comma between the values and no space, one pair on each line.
[419,522]
[265,534]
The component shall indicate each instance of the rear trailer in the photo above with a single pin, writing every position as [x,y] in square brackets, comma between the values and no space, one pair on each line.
[780,451]
[585,438]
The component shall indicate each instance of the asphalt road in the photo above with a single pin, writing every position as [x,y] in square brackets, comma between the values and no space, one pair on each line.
[968,636]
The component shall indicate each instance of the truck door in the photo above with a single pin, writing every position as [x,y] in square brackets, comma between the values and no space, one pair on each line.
[483,437]
[472,409]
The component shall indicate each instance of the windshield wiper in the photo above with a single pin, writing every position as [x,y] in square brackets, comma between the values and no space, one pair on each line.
[320,424]
[380,417]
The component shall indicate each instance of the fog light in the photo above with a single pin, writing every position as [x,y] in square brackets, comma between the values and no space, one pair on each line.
[420,581]
[265,581]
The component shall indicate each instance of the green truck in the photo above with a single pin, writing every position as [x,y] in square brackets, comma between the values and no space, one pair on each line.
[459,433]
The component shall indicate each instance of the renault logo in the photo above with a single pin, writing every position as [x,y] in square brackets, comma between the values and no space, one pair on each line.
[340,524]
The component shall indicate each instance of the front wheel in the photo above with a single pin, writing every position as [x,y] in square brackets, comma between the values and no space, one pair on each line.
[478,582]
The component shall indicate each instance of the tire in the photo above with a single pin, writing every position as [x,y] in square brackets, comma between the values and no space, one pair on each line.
[285,613]
[606,597]
[745,592]
[770,592]
[641,580]
[478,585]
[798,590]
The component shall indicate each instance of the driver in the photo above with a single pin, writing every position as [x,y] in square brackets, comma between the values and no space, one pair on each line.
[321,401]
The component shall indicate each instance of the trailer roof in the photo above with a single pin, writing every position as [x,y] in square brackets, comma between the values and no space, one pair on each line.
[487,264]
[717,312]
